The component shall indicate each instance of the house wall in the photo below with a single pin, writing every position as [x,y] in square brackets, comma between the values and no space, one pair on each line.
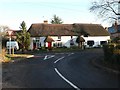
[31,43]
[96,39]
[115,35]
[65,40]
[42,41]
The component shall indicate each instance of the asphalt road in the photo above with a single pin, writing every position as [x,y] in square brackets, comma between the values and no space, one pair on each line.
[59,70]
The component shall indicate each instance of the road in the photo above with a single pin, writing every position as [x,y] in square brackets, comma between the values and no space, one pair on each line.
[59,70]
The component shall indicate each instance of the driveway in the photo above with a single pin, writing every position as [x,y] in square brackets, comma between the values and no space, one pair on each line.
[59,70]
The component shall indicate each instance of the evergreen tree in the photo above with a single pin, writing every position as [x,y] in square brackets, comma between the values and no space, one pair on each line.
[56,20]
[23,37]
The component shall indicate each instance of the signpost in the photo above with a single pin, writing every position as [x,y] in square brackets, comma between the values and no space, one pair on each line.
[10,33]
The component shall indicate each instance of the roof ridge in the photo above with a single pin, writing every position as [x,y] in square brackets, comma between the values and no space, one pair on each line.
[87,23]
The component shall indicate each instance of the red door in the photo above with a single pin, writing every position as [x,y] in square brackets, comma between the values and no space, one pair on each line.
[34,46]
[49,45]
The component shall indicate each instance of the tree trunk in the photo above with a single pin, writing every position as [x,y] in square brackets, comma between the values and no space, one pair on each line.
[23,49]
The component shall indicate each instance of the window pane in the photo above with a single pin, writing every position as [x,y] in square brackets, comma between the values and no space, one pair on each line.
[90,43]
[103,42]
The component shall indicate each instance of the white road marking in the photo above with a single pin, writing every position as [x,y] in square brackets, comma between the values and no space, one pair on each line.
[30,56]
[58,59]
[70,83]
[49,56]
[70,54]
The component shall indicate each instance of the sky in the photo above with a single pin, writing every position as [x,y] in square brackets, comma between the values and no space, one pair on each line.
[13,12]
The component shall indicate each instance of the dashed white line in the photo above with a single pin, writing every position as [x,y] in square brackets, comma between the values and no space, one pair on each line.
[70,83]
[58,59]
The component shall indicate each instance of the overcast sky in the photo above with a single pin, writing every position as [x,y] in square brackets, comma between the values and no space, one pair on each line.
[13,12]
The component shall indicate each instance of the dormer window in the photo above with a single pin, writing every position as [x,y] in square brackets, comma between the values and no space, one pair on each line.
[59,38]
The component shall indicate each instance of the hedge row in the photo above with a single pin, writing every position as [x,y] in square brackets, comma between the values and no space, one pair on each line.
[112,53]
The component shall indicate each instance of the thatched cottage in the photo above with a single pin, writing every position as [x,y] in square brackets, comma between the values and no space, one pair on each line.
[66,35]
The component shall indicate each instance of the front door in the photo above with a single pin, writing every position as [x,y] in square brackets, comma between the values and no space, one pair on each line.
[34,46]
[49,45]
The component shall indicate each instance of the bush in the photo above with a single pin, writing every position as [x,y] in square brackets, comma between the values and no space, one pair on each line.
[3,56]
[108,51]
[117,59]
[111,54]
[117,46]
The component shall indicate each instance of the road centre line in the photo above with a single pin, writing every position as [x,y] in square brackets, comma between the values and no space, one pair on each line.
[70,83]
[58,59]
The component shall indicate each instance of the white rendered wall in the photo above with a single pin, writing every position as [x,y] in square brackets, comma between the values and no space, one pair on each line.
[65,40]
[42,41]
[31,43]
[96,39]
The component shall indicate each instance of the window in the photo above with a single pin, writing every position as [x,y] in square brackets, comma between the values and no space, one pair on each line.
[57,44]
[59,37]
[54,45]
[36,42]
[90,42]
[103,42]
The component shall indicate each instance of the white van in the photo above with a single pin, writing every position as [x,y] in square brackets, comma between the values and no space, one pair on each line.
[14,44]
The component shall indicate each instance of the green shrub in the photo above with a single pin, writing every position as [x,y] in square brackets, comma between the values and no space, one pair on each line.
[111,55]
[117,59]
[108,52]
[118,46]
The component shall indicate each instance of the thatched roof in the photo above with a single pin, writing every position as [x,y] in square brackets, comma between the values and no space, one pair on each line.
[51,29]
[92,29]
[66,29]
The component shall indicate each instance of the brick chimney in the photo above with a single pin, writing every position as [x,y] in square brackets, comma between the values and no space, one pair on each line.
[116,26]
[45,21]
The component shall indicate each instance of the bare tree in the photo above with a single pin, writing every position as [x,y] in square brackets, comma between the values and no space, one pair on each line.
[106,9]
[3,29]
